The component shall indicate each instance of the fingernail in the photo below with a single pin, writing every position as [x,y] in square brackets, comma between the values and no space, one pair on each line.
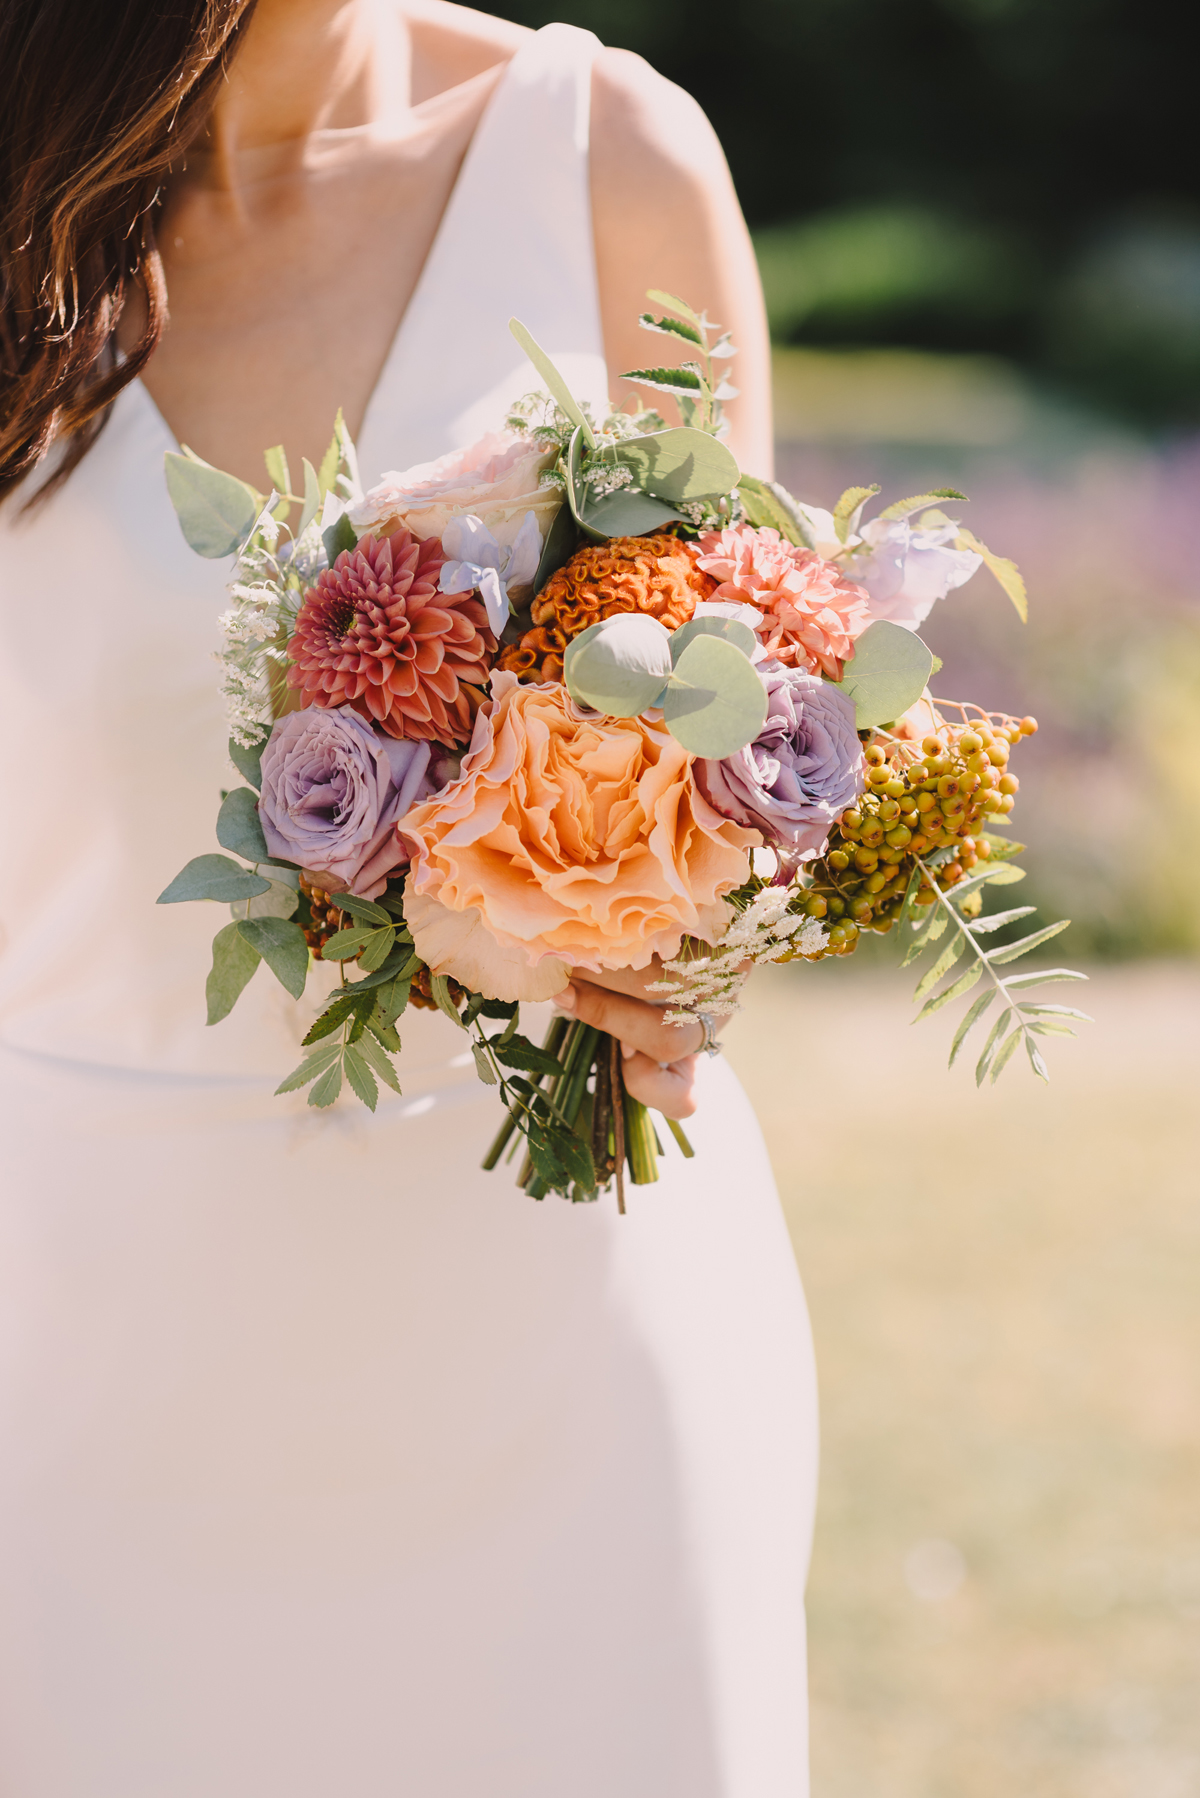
[567,999]
[627,1049]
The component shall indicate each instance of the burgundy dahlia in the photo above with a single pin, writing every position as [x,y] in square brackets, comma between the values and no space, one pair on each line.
[376,634]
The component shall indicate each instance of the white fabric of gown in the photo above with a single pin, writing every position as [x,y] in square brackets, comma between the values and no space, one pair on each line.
[330,1464]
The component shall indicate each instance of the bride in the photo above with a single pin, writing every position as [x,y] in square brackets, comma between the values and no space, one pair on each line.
[330,1464]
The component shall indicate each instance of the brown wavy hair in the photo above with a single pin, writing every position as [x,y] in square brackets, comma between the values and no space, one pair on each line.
[98,100]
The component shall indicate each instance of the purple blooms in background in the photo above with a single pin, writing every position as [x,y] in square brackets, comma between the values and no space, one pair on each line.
[332,792]
[801,772]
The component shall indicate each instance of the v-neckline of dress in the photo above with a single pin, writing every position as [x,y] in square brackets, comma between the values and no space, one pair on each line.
[432,256]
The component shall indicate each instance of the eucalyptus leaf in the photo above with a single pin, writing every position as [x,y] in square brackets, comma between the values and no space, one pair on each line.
[715,703]
[680,464]
[279,901]
[619,665]
[282,946]
[233,964]
[216,511]
[213,877]
[248,761]
[710,624]
[553,379]
[887,673]
[626,513]
[238,827]
[562,540]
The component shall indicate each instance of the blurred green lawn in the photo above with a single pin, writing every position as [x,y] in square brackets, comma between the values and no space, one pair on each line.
[1005,1593]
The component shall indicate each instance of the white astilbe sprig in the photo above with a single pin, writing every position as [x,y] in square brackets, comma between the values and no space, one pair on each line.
[269,582]
[763,930]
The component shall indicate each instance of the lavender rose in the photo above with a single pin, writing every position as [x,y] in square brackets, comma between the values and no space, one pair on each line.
[332,792]
[802,770]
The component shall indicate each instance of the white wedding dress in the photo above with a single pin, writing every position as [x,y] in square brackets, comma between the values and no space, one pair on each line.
[331,1466]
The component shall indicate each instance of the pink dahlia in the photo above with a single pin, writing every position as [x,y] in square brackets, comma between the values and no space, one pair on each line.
[376,634]
[811,612]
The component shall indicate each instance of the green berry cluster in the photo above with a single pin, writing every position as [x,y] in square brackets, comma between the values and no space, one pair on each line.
[940,794]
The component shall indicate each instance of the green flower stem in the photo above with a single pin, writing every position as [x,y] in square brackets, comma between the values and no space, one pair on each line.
[678,1132]
[570,1086]
[641,1146]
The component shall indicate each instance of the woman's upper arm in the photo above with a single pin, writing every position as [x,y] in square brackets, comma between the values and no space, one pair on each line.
[666,215]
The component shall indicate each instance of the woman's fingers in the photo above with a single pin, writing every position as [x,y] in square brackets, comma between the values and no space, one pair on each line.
[632,1020]
[669,1088]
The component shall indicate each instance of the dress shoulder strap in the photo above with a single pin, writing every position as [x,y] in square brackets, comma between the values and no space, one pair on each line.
[515,240]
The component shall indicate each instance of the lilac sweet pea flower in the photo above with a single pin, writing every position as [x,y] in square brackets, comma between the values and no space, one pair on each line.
[333,790]
[478,561]
[802,770]
[907,568]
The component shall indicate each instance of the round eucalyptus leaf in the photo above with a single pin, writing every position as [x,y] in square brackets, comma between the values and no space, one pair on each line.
[731,630]
[216,511]
[626,513]
[680,464]
[715,702]
[888,672]
[619,665]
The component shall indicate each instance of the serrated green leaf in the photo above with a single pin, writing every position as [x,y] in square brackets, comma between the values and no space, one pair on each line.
[553,379]
[483,1065]
[1002,1023]
[715,703]
[1011,951]
[1004,1054]
[393,999]
[401,964]
[327,473]
[887,673]
[216,511]
[667,380]
[346,944]
[312,1065]
[233,964]
[1043,1028]
[673,327]
[376,949]
[277,468]
[374,1051]
[351,1002]
[997,920]
[248,762]
[238,826]
[326,1089]
[359,1074]
[439,986]
[282,946]
[670,302]
[213,877]
[1057,1011]
[1006,572]
[845,513]
[901,508]
[1002,847]
[937,928]
[969,1022]
[1043,978]
[962,985]
[576,1157]
[941,966]
[1006,875]
[918,947]
[364,910]
[1035,1060]
[519,1052]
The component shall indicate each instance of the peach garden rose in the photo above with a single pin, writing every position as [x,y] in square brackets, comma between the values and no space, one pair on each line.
[496,480]
[570,840]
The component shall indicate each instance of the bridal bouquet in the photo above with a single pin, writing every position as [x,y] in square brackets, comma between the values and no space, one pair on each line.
[580,696]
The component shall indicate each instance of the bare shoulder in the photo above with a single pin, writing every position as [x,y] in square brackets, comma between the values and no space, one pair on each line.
[650,140]
[452,44]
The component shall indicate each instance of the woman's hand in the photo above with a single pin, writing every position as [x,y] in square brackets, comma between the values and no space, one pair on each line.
[659,1060]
